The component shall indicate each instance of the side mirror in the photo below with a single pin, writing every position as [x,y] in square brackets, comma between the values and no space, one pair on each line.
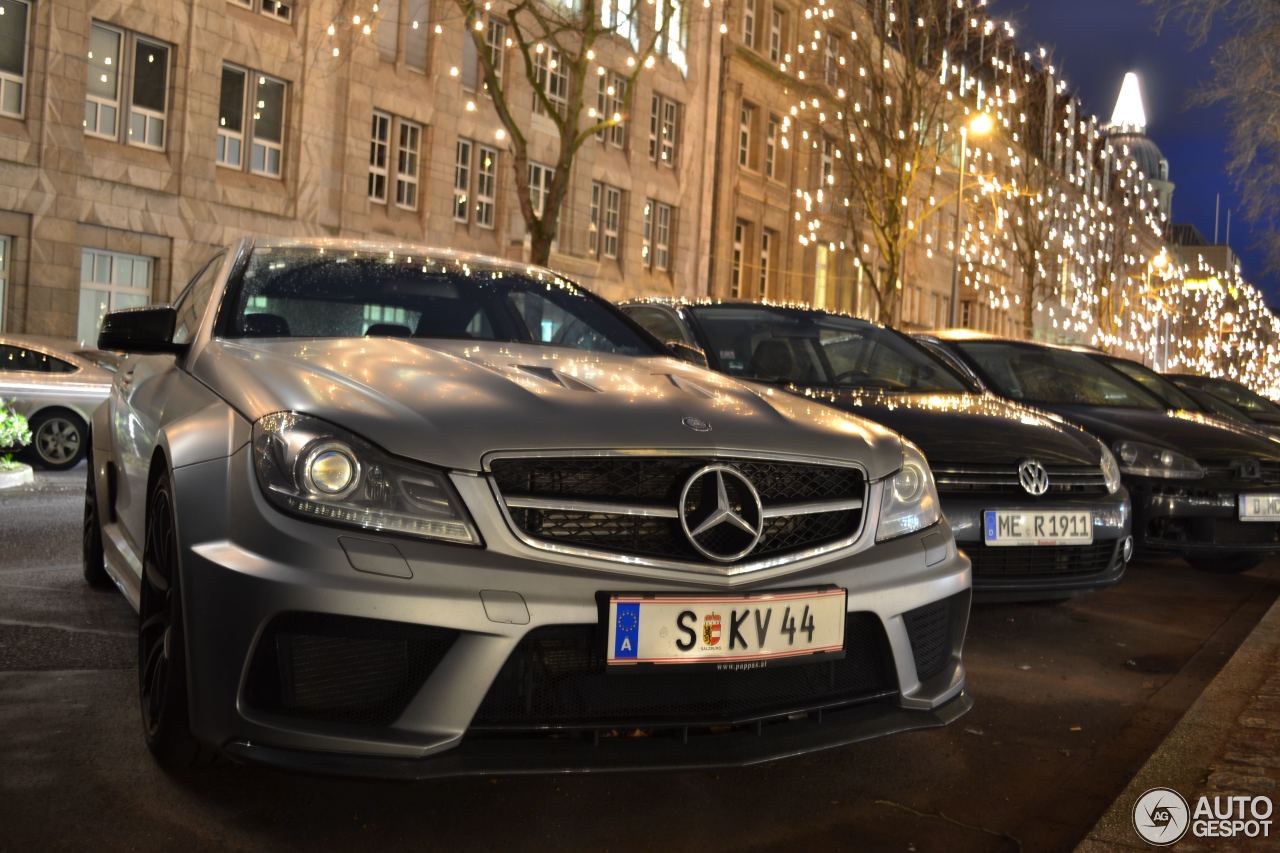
[140,330]
[687,352]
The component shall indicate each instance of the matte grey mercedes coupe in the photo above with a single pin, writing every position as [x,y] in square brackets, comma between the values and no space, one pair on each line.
[392,511]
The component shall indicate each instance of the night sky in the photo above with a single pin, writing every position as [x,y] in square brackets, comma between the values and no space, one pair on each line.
[1094,42]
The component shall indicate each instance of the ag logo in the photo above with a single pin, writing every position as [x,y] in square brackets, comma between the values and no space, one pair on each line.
[711,629]
[1161,816]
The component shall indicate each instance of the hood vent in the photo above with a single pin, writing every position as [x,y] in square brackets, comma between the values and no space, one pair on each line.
[564,380]
[690,387]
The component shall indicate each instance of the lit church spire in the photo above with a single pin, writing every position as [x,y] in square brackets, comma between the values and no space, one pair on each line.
[1129,114]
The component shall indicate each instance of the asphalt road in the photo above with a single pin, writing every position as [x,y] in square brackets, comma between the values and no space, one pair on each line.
[1071,699]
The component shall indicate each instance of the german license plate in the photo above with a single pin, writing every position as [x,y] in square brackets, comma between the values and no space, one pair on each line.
[749,631]
[1037,527]
[1260,507]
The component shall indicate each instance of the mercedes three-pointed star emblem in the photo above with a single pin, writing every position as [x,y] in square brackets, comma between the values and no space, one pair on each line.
[724,519]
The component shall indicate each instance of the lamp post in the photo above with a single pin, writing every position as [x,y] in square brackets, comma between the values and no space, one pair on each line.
[979,125]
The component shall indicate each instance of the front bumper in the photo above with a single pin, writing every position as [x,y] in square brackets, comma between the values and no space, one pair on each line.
[1031,572]
[246,567]
[1199,518]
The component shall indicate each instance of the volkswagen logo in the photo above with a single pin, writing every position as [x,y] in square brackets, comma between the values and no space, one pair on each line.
[1033,477]
[696,424]
[720,513]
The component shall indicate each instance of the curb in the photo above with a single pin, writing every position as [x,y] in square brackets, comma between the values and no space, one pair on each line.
[1228,742]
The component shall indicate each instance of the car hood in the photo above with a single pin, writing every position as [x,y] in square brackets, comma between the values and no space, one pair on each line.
[450,403]
[973,428]
[1197,435]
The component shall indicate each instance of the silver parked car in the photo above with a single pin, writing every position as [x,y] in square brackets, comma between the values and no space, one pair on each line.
[392,511]
[57,390]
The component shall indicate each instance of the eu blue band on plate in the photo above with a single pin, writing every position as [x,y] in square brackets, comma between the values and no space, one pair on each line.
[626,636]
[991,524]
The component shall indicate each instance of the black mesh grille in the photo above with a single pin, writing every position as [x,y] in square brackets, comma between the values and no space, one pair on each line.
[336,668]
[929,628]
[1244,472]
[1040,561]
[556,678]
[657,482]
[1213,531]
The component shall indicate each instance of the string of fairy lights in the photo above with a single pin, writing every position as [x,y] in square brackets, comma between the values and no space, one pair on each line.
[1108,276]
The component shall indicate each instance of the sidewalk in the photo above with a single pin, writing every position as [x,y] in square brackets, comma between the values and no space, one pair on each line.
[1228,743]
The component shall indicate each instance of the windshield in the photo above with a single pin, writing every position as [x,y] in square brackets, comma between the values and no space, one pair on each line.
[775,345]
[1171,395]
[1034,374]
[312,292]
[1240,397]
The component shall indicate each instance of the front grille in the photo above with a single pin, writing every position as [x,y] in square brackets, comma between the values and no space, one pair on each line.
[343,669]
[627,505]
[1212,531]
[1244,472]
[556,679]
[929,628]
[1029,561]
[971,478]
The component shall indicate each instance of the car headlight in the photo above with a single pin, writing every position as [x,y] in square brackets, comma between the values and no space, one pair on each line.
[311,468]
[910,500]
[1149,460]
[1110,470]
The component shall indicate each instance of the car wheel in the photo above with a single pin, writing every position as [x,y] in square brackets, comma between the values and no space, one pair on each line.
[95,570]
[1226,564]
[162,669]
[58,439]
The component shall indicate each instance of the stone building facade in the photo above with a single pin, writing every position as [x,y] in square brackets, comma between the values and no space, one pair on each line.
[138,136]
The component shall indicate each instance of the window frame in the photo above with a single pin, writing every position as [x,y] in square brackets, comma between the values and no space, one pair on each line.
[148,114]
[611,226]
[767,242]
[777,23]
[749,23]
[268,145]
[247,135]
[384,143]
[547,79]
[462,172]
[9,79]
[407,178]
[486,206]
[540,177]
[772,126]
[100,101]
[741,235]
[111,288]
[746,122]
[237,135]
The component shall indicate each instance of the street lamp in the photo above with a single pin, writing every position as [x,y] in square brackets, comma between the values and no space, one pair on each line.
[979,125]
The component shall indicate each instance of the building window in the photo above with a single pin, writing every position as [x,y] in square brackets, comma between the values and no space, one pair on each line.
[749,22]
[462,181]
[4,272]
[389,30]
[771,148]
[486,185]
[410,142]
[145,76]
[662,236]
[611,95]
[777,20]
[739,246]
[828,162]
[539,185]
[606,218]
[673,41]
[552,77]
[415,34]
[619,16]
[767,241]
[830,59]
[664,125]
[379,154]
[109,281]
[278,9]
[495,40]
[746,118]
[257,114]
[13,56]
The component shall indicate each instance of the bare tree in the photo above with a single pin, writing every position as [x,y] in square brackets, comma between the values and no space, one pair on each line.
[553,47]
[1246,80]
[881,89]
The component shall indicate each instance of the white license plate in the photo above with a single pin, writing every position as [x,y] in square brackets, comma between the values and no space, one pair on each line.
[731,631]
[1260,507]
[1037,527]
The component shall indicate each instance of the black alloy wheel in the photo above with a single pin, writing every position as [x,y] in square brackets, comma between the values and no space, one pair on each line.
[162,669]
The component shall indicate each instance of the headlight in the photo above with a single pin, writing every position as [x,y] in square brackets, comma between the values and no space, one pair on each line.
[311,468]
[910,500]
[1148,460]
[1110,470]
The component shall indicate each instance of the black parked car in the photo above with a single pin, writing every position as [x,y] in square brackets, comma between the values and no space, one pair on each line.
[1176,396]
[1036,503]
[1263,412]
[1202,487]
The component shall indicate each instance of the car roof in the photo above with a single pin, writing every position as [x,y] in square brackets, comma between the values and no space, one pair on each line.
[780,307]
[56,346]
[962,335]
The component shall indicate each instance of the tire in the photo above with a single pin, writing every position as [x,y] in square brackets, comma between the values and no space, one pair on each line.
[95,569]
[59,439]
[162,667]
[1225,564]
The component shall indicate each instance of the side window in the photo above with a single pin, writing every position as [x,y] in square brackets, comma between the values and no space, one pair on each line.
[192,302]
[14,358]
[658,323]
